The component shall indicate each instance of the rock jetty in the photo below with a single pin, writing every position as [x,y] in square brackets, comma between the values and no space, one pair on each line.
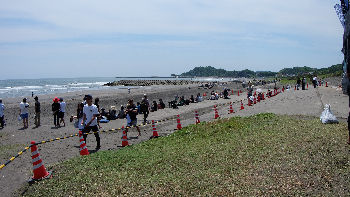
[151,82]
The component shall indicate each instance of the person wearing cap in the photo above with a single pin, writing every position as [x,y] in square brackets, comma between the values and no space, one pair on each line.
[2,108]
[37,112]
[144,107]
[62,111]
[89,121]
[55,109]
[23,112]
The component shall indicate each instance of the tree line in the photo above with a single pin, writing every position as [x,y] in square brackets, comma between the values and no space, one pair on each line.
[209,71]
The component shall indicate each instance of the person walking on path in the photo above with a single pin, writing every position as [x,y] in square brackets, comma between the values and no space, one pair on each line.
[62,112]
[2,117]
[314,81]
[131,111]
[89,121]
[144,108]
[303,83]
[23,112]
[298,83]
[37,112]
[55,110]
[249,90]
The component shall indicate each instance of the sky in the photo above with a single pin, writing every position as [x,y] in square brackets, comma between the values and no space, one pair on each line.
[86,38]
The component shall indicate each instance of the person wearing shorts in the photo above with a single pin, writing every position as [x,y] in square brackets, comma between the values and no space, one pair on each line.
[89,121]
[23,112]
[62,111]
[131,112]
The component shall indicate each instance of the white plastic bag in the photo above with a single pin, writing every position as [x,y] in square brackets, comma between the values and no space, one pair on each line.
[327,115]
[19,118]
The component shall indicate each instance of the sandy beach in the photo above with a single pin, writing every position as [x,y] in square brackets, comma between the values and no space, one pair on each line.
[13,139]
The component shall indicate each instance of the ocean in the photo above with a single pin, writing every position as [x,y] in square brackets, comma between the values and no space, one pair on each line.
[11,88]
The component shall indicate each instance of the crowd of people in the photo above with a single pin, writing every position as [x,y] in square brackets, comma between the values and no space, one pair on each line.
[302,82]
[89,115]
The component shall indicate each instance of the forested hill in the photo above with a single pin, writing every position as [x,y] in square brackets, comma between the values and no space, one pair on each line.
[209,71]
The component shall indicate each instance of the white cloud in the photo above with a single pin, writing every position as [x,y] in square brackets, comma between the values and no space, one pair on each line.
[180,17]
[119,34]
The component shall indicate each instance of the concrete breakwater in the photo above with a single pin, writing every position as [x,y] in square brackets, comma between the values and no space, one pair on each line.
[152,82]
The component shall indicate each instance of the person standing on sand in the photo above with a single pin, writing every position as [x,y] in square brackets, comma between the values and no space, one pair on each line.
[80,115]
[62,111]
[23,112]
[89,121]
[37,112]
[2,118]
[55,110]
[131,111]
[249,90]
[144,108]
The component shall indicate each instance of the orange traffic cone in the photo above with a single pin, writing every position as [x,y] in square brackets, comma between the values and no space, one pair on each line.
[263,96]
[326,84]
[178,123]
[231,109]
[307,85]
[197,117]
[232,92]
[39,169]
[124,138]
[242,107]
[204,94]
[83,149]
[254,100]
[249,102]
[238,93]
[155,132]
[216,113]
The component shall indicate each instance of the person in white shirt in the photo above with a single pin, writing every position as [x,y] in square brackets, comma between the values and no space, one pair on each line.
[314,81]
[23,106]
[62,111]
[90,113]
[2,108]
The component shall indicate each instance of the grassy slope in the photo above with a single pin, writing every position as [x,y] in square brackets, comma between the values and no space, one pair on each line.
[260,155]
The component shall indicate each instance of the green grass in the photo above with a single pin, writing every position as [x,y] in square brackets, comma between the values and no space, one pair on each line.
[291,82]
[263,154]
